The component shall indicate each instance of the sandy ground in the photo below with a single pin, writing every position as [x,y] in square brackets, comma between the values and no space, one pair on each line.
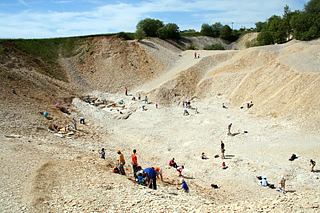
[45,173]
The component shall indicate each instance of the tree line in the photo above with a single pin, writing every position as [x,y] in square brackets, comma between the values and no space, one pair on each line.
[155,28]
[301,25]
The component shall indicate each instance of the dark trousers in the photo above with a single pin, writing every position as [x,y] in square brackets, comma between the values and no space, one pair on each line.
[153,183]
[135,168]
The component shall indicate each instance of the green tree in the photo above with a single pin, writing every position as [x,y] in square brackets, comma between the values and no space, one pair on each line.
[306,26]
[260,26]
[226,33]
[313,6]
[276,26]
[169,31]
[149,27]
[206,30]
[216,29]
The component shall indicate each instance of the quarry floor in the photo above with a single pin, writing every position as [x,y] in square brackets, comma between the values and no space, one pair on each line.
[51,174]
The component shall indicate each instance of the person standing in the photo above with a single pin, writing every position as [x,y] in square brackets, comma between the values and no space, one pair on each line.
[283,184]
[229,129]
[126,91]
[222,150]
[134,162]
[102,154]
[151,177]
[74,122]
[121,162]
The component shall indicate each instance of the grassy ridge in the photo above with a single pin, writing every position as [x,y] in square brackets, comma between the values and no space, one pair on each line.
[46,51]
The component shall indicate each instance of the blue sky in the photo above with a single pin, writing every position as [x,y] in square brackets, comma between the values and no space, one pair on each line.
[59,18]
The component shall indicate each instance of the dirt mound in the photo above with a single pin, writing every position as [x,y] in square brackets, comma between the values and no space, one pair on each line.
[281,80]
[245,41]
[110,64]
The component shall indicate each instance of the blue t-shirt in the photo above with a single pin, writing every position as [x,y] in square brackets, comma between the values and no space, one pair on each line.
[185,186]
[151,173]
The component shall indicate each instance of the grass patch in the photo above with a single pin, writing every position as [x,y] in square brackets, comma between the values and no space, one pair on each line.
[190,34]
[126,35]
[1,49]
[46,52]
[215,46]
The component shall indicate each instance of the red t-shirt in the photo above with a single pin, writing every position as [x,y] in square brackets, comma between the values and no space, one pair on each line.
[134,159]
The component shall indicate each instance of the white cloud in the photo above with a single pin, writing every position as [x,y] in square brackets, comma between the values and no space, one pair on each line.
[124,16]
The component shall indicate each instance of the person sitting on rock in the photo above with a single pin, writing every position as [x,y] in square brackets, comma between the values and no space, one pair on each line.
[172,163]
[223,165]
[140,176]
[203,156]
[224,106]
[185,112]
[249,104]
[312,164]
[264,182]
[179,170]
[82,120]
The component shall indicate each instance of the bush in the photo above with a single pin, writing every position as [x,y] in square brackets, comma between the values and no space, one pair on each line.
[140,34]
[148,27]
[265,38]
[190,32]
[169,31]
[1,49]
[192,47]
[216,46]
[126,36]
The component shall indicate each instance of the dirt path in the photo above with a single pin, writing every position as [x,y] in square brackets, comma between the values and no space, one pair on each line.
[185,61]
